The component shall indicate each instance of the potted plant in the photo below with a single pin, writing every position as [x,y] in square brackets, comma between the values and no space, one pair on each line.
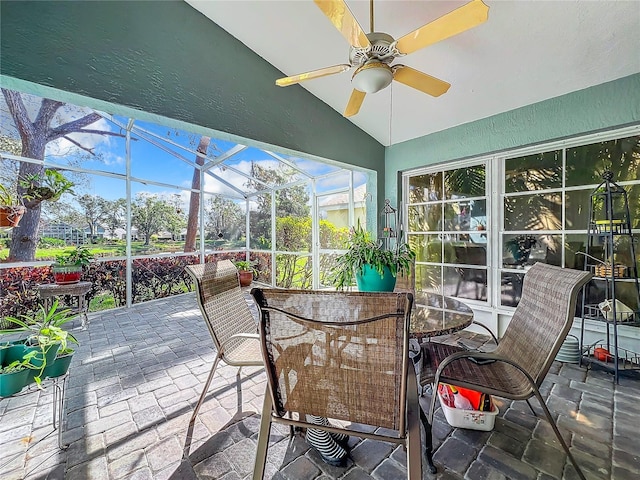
[11,210]
[373,267]
[246,271]
[68,266]
[13,377]
[61,364]
[45,338]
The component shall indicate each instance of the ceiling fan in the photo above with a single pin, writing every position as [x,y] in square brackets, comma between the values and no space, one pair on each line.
[372,53]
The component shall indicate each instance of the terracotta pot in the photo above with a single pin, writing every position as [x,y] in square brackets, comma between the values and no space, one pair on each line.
[246,277]
[10,215]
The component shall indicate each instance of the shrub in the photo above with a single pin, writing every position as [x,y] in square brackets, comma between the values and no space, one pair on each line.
[50,242]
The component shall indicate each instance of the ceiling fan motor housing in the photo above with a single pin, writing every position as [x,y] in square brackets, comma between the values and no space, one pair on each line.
[380,49]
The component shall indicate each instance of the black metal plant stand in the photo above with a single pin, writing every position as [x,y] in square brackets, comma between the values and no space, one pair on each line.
[609,222]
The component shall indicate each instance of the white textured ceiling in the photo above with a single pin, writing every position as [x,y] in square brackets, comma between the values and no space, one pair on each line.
[526,52]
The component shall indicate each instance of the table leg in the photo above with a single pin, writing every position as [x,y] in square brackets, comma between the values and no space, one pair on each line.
[82,309]
[416,356]
[428,440]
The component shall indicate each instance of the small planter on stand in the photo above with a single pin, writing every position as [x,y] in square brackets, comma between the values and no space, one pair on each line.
[60,365]
[66,274]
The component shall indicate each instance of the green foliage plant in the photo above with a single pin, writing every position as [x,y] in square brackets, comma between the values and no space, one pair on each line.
[363,250]
[79,256]
[7,198]
[15,366]
[44,331]
[49,186]
[245,265]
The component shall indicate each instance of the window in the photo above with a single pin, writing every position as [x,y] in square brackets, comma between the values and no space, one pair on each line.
[447,218]
[472,248]
[546,204]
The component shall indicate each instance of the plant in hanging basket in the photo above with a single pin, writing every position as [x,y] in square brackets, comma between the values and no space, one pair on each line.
[47,187]
[11,211]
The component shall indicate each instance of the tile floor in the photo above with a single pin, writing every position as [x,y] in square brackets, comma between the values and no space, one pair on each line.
[138,373]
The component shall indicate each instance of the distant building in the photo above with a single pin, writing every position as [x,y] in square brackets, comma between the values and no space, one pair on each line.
[335,208]
[63,231]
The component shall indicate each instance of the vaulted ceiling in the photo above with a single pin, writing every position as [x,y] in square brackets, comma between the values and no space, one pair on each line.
[526,52]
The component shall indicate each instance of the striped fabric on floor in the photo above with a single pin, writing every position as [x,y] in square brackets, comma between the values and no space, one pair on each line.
[328,445]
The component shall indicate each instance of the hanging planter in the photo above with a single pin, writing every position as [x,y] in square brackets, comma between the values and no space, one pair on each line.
[10,215]
[10,209]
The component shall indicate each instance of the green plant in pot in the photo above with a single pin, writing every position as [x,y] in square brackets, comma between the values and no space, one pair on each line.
[13,377]
[69,266]
[45,338]
[373,267]
[246,271]
[11,210]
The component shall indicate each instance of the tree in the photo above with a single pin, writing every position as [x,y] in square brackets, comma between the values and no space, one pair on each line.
[175,220]
[94,210]
[290,202]
[115,216]
[194,201]
[150,215]
[35,135]
[223,217]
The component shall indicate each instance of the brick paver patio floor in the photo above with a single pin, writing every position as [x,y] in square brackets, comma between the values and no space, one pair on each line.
[138,373]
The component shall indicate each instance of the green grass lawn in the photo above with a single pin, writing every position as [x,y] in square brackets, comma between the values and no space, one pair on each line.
[119,249]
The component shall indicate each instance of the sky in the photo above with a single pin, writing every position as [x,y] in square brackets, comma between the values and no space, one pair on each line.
[159,154]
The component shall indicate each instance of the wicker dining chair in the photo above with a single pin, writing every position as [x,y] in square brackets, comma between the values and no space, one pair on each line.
[523,356]
[343,356]
[233,328]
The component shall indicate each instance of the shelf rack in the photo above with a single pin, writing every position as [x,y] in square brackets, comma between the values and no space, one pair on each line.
[609,221]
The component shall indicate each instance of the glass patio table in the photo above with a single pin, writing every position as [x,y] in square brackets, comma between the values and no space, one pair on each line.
[438,315]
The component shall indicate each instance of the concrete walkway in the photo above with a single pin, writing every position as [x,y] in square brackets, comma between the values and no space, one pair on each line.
[138,373]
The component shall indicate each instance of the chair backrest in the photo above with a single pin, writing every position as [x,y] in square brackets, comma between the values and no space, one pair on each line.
[407,281]
[223,305]
[341,355]
[543,317]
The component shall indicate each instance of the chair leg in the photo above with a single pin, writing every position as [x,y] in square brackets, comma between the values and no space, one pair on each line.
[531,408]
[187,442]
[557,432]
[414,455]
[428,430]
[263,437]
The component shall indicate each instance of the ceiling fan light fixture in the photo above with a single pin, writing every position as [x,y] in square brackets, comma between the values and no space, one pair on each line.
[372,77]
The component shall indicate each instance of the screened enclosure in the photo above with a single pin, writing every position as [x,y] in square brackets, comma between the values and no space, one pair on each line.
[148,199]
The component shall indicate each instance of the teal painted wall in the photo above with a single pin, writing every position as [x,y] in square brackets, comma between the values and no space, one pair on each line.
[165,58]
[604,106]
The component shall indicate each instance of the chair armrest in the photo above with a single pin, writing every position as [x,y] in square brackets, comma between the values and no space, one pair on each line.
[480,355]
[238,336]
[495,339]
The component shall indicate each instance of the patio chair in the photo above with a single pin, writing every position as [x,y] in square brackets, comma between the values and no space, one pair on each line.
[232,326]
[522,359]
[472,255]
[343,356]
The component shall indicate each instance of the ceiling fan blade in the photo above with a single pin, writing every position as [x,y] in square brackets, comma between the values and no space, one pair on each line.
[455,22]
[323,72]
[342,18]
[355,102]
[420,81]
